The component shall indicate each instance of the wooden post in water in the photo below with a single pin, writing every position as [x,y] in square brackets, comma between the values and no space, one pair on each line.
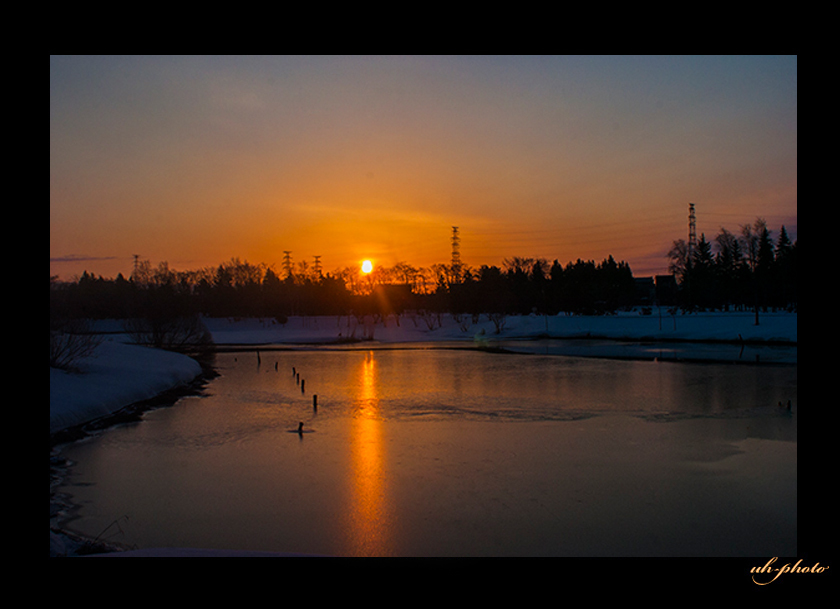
[302,385]
[314,402]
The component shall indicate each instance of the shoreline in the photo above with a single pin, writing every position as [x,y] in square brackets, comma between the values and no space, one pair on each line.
[133,412]
[775,328]
[618,349]
[289,346]
[65,543]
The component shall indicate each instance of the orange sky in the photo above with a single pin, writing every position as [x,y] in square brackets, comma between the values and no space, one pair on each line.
[196,160]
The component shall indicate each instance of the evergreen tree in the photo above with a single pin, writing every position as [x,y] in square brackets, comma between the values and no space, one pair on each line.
[764,263]
[540,286]
[729,268]
[703,289]
[755,239]
[766,254]
[784,271]
[556,287]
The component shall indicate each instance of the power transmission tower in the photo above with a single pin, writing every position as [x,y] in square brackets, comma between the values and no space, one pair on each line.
[287,263]
[456,255]
[692,229]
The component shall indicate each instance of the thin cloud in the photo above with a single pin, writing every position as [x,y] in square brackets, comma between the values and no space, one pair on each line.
[78,258]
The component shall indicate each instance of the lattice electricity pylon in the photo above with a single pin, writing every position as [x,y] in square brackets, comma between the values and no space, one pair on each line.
[287,262]
[456,254]
[692,229]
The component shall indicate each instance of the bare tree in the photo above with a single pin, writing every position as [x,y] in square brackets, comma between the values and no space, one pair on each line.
[499,319]
[678,256]
[518,264]
[182,333]
[71,341]
[750,235]
[405,273]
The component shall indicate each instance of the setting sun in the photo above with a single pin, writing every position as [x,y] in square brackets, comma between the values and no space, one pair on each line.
[367,266]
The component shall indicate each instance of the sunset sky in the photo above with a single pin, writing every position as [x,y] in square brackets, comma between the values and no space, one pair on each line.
[197,160]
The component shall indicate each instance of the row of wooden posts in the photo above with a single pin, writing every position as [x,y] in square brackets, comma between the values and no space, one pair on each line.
[302,383]
[298,380]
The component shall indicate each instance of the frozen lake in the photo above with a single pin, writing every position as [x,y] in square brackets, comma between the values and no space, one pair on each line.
[453,452]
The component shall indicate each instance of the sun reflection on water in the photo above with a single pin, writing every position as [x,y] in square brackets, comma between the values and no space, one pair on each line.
[369,518]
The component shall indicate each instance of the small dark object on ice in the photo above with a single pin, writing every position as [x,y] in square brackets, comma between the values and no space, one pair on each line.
[300,430]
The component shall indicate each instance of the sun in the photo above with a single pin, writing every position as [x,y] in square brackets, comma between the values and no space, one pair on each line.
[367,266]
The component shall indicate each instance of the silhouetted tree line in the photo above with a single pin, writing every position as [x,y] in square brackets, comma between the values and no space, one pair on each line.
[241,289]
[233,289]
[745,271]
[527,285]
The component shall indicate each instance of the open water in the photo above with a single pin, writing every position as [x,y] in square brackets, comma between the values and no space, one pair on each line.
[433,451]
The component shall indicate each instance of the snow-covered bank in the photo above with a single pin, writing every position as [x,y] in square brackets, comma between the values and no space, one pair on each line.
[116,376]
[730,327]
